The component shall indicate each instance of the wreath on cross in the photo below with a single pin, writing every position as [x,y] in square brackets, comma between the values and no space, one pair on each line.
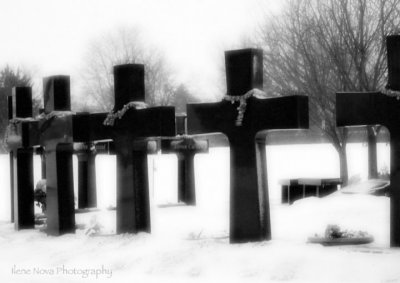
[242,99]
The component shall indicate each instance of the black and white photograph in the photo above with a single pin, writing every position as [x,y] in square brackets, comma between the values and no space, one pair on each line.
[199,141]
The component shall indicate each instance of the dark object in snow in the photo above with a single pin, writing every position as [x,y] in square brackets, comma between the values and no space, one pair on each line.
[295,189]
[333,232]
[334,236]
[249,202]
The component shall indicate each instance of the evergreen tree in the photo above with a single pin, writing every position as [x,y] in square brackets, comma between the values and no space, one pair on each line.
[10,78]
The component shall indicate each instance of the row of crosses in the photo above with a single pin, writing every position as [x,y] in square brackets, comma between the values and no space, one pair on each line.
[243,118]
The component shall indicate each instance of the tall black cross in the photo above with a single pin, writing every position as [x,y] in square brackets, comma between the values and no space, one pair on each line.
[375,108]
[130,135]
[56,134]
[21,161]
[186,147]
[249,204]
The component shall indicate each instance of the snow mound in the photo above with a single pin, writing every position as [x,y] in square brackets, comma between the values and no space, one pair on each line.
[186,246]
[372,186]
[310,216]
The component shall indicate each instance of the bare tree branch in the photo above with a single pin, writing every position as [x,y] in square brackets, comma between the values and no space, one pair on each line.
[125,46]
[321,47]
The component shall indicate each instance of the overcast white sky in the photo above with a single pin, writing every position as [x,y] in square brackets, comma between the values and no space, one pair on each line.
[51,36]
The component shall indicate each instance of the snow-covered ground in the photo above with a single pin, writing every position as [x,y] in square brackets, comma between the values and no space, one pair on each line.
[191,243]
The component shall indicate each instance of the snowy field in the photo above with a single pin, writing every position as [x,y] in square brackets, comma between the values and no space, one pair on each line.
[191,243]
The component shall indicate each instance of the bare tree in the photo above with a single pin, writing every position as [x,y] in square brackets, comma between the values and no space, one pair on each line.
[125,46]
[321,47]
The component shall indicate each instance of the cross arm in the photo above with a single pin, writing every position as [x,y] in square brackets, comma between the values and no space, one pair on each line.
[287,112]
[357,108]
[209,117]
[149,122]
[89,127]
[261,114]
[82,127]
[26,135]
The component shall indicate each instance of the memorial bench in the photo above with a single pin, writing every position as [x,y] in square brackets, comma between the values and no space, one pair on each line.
[295,189]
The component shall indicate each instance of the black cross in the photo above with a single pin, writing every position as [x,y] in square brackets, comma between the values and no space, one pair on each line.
[56,135]
[130,135]
[86,153]
[373,108]
[249,212]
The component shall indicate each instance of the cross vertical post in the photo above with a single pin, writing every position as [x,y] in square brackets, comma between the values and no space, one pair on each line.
[186,178]
[86,154]
[56,137]
[10,116]
[180,124]
[249,204]
[40,151]
[186,183]
[22,166]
